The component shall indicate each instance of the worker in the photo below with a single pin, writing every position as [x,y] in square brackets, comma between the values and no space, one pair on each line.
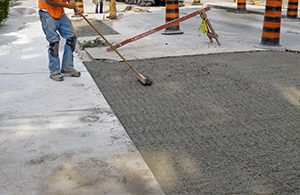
[112,10]
[55,24]
[99,6]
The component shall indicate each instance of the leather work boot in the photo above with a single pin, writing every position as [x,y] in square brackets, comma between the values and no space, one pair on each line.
[112,17]
[72,73]
[57,77]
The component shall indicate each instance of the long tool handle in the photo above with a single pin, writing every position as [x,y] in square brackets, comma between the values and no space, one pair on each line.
[110,45]
[159,28]
[213,32]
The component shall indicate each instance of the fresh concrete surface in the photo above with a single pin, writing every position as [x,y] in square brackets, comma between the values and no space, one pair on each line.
[212,124]
[224,123]
[58,137]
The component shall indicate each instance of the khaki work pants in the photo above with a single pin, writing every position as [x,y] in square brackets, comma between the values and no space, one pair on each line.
[112,8]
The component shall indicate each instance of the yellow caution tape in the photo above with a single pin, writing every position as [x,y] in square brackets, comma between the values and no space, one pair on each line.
[203,26]
[257,2]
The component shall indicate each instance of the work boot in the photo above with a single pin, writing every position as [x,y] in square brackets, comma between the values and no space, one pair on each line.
[72,73]
[112,17]
[57,77]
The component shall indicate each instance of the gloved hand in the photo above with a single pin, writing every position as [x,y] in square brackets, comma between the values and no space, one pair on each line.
[77,10]
[71,4]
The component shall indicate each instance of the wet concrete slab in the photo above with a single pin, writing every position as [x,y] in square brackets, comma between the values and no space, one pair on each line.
[212,124]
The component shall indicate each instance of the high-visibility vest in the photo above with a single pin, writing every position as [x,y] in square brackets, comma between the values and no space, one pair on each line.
[55,12]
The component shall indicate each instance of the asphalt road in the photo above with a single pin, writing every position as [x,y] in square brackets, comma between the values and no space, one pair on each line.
[212,124]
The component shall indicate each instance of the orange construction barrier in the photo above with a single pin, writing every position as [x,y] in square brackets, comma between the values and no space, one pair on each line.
[272,23]
[197,2]
[172,13]
[241,5]
[292,10]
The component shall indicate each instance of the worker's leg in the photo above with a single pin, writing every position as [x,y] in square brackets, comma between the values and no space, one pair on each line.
[96,10]
[49,26]
[101,6]
[112,9]
[67,32]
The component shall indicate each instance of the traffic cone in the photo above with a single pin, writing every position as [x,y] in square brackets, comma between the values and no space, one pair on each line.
[172,13]
[292,10]
[197,2]
[271,28]
[241,6]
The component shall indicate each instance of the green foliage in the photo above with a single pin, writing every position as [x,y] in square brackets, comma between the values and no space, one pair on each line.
[98,42]
[4,7]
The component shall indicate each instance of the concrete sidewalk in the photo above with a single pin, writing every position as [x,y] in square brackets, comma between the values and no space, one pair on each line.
[58,137]
[237,32]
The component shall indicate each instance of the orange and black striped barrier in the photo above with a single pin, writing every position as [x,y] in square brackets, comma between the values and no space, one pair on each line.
[79,4]
[172,13]
[196,2]
[272,23]
[241,5]
[292,10]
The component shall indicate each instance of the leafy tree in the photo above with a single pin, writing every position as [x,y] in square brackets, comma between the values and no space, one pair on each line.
[4,8]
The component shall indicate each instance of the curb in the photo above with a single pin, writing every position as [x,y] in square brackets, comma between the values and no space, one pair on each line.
[231,9]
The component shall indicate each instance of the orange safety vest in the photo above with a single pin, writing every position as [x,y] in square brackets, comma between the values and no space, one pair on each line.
[55,12]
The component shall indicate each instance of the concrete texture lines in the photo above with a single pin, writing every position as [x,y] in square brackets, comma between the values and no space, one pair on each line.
[220,123]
